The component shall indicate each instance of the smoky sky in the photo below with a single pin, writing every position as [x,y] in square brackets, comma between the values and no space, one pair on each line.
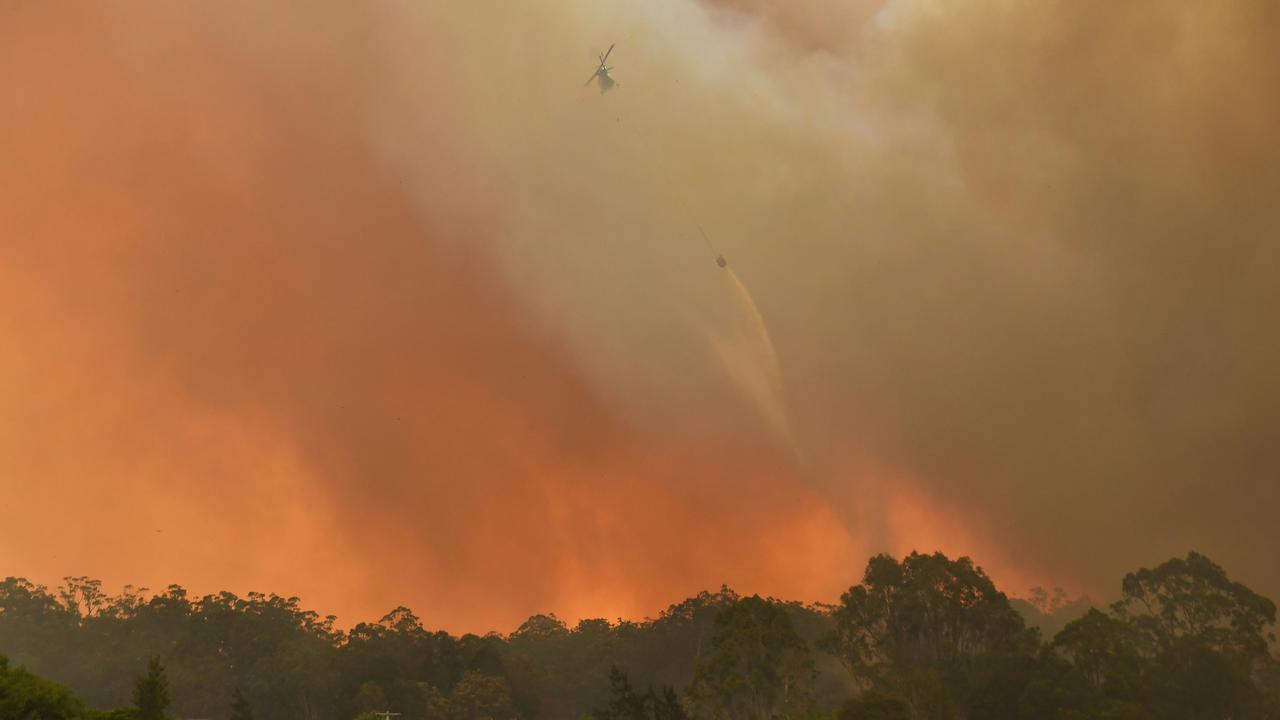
[377,304]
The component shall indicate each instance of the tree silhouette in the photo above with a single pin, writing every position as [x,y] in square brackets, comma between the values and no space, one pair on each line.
[240,709]
[757,667]
[151,693]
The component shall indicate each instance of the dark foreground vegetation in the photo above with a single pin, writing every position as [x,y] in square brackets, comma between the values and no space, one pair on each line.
[925,637]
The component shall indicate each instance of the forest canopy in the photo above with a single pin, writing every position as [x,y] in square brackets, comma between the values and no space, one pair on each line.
[925,636]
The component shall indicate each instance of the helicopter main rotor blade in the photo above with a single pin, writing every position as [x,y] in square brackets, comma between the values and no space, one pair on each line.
[593,77]
[606,53]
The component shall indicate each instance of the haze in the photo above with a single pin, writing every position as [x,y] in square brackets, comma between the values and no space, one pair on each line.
[377,304]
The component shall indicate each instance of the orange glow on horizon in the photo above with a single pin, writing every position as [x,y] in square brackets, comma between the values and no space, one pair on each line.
[324,303]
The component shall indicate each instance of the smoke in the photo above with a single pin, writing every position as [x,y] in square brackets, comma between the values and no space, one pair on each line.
[376,304]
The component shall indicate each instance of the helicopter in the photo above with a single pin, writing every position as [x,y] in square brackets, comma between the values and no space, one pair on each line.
[601,74]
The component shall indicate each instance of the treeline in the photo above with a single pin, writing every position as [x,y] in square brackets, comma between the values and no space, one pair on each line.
[924,637]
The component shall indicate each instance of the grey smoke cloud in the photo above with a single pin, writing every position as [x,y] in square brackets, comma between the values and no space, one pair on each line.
[274,272]
[1022,251]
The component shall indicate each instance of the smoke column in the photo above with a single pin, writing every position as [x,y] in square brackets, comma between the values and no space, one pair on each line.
[272,273]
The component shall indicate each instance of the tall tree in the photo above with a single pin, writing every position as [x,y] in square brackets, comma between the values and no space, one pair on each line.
[481,697]
[934,633]
[757,667]
[666,705]
[25,696]
[1205,635]
[240,709]
[151,693]
[624,703]
[1192,597]
[1093,668]
[627,704]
